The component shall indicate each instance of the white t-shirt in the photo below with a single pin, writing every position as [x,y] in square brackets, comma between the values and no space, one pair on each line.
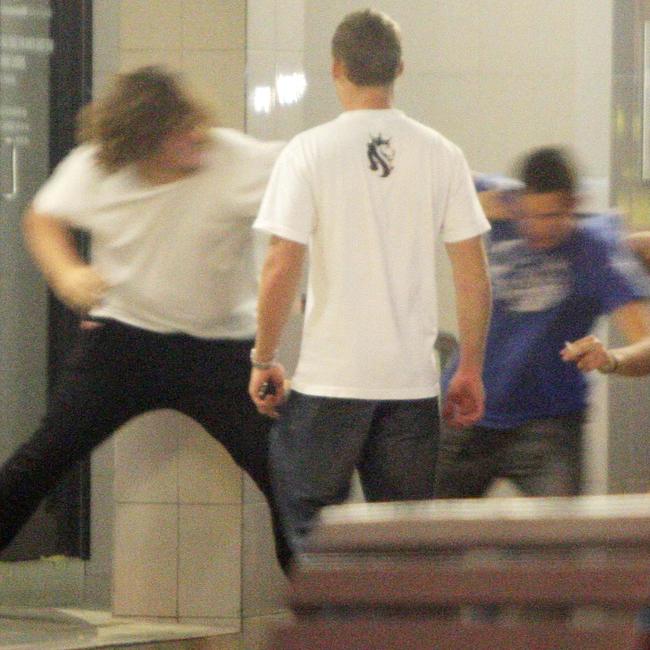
[370,193]
[178,256]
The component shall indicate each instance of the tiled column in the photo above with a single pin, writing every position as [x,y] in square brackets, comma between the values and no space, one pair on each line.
[188,546]
[178,523]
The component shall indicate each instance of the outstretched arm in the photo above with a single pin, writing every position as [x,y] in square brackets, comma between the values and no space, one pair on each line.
[633,360]
[76,283]
[465,399]
[278,286]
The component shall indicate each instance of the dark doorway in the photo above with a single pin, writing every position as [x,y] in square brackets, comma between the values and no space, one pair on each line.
[43,95]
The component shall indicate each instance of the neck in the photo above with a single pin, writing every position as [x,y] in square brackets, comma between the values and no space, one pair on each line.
[356,98]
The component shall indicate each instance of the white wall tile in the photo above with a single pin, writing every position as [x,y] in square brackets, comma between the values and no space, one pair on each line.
[103,79]
[131,59]
[146,459]
[497,77]
[206,472]
[219,77]
[594,35]
[260,78]
[591,120]
[260,25]
[214,25]
[492,131]
[106,37]
[210,561]
[290,25]
[151,24]
[321,103]
[264,585]
[145,574]
[102,511]
[443,37]
[251,493]
[290,117]
[97,589]
[529,37]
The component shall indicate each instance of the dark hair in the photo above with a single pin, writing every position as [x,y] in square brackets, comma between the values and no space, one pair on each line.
[139,111]
[368,43]
[549,169]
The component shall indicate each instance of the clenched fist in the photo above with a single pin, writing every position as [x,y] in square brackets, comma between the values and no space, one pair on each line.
[80,287]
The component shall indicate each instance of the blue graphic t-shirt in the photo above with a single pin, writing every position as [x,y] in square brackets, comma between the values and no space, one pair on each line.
[541,299]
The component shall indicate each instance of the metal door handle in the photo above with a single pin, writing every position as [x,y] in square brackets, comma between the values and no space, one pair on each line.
[14,171]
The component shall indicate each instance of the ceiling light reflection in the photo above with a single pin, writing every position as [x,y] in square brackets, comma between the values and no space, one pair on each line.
[289,89]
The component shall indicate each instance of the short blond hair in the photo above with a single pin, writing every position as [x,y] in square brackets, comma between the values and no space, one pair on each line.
[139,111]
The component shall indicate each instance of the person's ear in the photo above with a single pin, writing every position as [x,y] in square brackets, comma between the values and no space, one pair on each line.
[400,69]
[338,69]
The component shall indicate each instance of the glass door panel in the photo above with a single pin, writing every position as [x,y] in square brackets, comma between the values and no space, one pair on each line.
[25,48]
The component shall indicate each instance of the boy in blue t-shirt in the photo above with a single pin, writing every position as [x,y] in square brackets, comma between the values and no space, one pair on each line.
[553,274]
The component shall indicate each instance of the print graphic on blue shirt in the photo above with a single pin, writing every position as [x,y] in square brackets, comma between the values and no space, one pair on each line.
[380,155]
[540,300]
[526,280]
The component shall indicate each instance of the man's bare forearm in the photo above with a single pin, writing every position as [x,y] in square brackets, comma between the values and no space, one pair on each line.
[632,360]
[278,287]
[473,300]
[51,244]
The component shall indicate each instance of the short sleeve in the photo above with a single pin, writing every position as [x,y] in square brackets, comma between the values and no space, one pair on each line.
[463,217]
[288,208]
[69,192]
[621,278]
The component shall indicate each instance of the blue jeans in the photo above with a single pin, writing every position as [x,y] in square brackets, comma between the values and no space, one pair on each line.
[541,457]
[319,441]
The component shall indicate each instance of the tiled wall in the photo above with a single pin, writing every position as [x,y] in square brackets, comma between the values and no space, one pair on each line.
[178,522]
[275,65]
[202,39]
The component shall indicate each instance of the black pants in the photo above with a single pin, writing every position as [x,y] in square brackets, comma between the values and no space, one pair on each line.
[116,372]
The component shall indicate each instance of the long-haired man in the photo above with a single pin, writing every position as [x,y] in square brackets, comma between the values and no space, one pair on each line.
[169,292]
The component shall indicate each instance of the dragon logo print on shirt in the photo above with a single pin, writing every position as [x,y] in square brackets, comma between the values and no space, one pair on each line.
[380,155]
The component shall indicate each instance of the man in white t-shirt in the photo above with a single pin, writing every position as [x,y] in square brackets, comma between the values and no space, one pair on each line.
[170,293]
[369,193]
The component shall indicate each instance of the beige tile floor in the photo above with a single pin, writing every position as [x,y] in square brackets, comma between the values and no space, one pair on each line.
[68,629]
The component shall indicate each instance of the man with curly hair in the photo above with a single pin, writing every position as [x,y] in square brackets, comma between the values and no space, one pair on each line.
[169,296]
